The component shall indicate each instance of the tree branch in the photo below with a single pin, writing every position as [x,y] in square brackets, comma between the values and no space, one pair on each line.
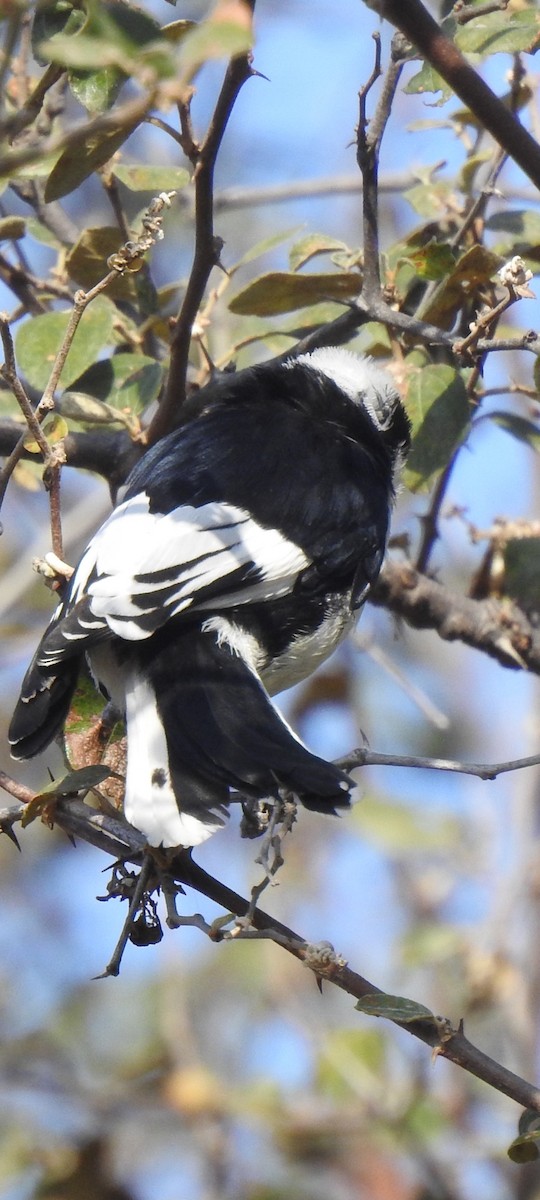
[415,22]
[498,628]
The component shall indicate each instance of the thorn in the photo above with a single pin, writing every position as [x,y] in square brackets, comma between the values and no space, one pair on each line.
[503,643]
[10,833]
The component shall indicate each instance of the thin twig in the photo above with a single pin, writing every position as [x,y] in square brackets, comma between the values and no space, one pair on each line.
[207,246]
[364,757]
[433,290]
[369,140]
[9,373]
[464,13]
[147,869]
[367,157]
[160,124]
[429,521]
[127,115]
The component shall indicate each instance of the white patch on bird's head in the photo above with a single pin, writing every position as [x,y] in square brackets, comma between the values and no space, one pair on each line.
[359,377]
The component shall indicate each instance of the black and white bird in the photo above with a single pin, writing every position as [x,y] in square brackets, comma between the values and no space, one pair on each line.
[238,559]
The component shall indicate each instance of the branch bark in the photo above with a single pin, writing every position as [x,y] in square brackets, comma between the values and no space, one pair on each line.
[498,628]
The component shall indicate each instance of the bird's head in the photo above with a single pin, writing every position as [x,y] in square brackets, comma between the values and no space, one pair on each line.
[369,387]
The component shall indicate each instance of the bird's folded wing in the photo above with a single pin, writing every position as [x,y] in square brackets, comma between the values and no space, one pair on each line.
[144,567]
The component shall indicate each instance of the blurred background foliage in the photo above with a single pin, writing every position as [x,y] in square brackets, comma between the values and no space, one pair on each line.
[213,1072]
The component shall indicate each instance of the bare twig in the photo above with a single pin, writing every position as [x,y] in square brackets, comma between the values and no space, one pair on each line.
[127,115]
[113,966]
[110,834]
[364,757]
[464,13]
[430,519]
[9,373]
[13,125]
[369,139]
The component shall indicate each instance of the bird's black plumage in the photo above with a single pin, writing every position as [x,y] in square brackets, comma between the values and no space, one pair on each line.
[244,544]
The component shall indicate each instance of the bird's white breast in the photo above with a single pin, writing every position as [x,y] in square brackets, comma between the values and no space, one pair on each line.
[308,651]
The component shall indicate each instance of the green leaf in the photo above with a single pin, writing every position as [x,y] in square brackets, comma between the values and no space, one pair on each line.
[473,269]
[175,31]
[84,52]
[312,244]
[214,39]
[37,343]
[500,33]
[126,382]
[264,246]
[394,1008]
[96,90]
[140,178]
[41,234]
[283,291]
[40,168]
[435,260]
[470,167]
[373,338]
[80,160]
[400,830]
[70,785]
[54,18]
[12,228]
[522,228]
[525,1149]
[519,427]
[522,574]
[429,196]
[86,707]
[428,80]
[77,781]
[54,429]
[440,411]
[79,406]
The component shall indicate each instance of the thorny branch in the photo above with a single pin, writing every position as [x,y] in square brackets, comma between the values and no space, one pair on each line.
[120,840]
[500,629]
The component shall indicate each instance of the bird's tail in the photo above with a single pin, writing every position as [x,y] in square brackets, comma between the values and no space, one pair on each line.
[200,723]
[42,706]
[50,681]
